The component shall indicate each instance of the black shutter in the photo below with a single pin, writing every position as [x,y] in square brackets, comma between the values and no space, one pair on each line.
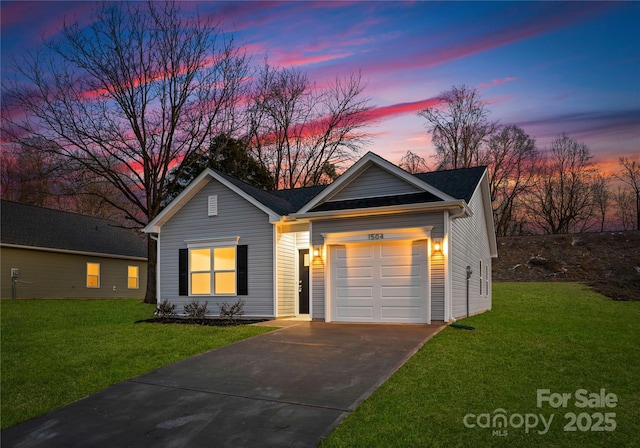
[183,272]
[242,277]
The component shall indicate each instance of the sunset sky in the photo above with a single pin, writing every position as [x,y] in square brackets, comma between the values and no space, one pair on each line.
[549,67]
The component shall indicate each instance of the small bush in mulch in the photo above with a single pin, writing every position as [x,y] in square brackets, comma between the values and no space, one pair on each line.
[207,321]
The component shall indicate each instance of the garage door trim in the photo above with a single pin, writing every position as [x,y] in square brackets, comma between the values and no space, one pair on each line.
[368,236]
[379,235]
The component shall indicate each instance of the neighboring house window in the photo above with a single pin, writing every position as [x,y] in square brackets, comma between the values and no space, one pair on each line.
[93,275]
[481,281]
[133,277]
[486,278]
[213,269]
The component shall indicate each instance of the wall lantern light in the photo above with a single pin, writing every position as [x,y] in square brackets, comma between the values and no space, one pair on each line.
[316,251]
[437,246]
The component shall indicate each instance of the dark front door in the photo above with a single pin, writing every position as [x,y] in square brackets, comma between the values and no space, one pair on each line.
[303,282]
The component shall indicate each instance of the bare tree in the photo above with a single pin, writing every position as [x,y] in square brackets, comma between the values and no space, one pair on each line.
[129,97]
[630,175]
[624,200]
[601,199]
[512,159]
[302,132]
[563,198]
[413,163]
[458,127]
[30,173]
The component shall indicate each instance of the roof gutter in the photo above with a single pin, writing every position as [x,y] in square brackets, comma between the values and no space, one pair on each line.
[459,206]
[73,252]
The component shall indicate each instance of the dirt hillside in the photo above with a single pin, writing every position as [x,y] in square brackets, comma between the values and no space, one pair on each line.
[609,261]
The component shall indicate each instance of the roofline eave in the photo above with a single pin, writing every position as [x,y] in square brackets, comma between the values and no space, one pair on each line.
[384,210]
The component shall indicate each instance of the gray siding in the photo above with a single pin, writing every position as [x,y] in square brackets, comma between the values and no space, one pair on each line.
[372,183]
[59,275]
[469,246]
[395,221]
[236,217]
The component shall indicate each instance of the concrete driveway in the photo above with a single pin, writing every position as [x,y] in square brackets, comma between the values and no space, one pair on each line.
[290,387]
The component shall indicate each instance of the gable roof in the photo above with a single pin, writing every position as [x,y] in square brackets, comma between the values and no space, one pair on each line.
[358,168]
[38,227]
[447,189]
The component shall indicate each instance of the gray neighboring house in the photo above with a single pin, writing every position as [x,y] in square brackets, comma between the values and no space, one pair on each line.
[47,253]
[377,245]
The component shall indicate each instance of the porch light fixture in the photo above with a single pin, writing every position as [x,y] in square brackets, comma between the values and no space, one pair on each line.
[316,251]
[437,246]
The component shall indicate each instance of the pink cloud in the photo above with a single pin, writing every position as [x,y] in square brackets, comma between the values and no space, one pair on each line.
[296,58]
[384,112]
[496,82]
[533,25]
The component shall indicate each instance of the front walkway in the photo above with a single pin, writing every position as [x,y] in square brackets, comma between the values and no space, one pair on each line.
[290,387]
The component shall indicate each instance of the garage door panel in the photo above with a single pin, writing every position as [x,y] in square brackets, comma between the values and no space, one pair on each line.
[354,292]
[393,292]
[397,250]
[354,252]
[354,273]
[354,313]
[399,313]
[401,272]
[379,282]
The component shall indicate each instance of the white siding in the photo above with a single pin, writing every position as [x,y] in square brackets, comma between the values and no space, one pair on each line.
[236,217]
[395,221]
[437,286]
[286,274]
[374,182]
[469,246]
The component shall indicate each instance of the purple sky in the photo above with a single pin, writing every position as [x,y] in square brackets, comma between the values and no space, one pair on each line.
[549,67]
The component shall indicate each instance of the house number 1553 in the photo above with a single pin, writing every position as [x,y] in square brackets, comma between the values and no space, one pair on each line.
[376,236]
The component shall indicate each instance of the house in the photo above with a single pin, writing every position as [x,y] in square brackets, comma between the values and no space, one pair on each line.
[376,245]
[47,253]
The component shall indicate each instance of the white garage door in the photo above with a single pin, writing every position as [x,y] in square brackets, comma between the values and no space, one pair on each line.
[383,282]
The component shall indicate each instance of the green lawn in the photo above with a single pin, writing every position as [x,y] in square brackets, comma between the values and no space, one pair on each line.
[557,336]
[54,352]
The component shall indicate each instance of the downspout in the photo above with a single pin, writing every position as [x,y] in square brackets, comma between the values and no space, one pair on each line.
[462,212]
[157,240]
[469,272]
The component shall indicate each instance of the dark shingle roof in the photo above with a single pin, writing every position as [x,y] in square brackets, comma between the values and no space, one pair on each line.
[276,203]
[282,202]
[460,183]
[399,199]
[28,225]
[298,197]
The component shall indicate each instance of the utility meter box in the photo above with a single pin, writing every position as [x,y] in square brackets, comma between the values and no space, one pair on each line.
[15,272]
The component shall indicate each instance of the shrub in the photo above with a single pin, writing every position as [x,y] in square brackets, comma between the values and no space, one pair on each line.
[195,310]
[231,312]
[166,309]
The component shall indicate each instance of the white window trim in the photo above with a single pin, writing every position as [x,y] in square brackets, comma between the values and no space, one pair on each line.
[99,275]
[213,243]
[137,277]
[481,279]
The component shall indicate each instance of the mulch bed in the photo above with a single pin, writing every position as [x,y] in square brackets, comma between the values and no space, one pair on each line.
[211,322]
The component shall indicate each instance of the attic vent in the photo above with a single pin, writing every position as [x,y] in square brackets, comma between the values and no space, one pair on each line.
[213,205]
